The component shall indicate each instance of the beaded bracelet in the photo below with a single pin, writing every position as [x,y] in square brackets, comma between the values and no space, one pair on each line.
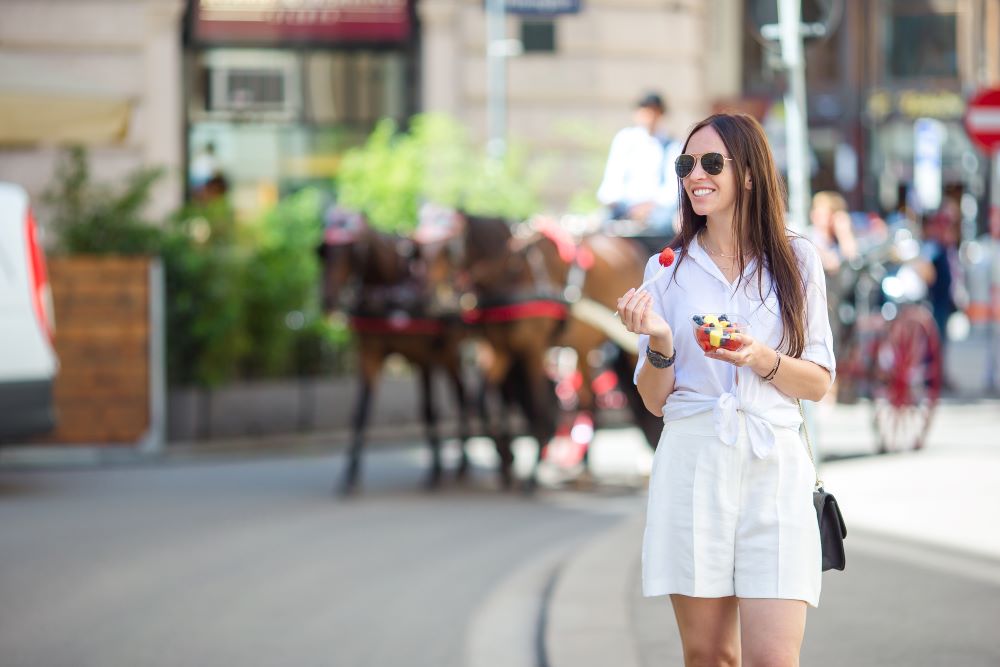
[774,371]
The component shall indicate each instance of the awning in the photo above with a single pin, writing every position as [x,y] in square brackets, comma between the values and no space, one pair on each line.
[31,118]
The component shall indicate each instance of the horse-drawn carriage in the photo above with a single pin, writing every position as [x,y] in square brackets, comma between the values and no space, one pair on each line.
[520,290]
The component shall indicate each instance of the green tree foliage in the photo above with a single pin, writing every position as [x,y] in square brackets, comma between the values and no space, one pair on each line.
[94,218]
[246,304]
[393,172]
[207,340]
[282,281]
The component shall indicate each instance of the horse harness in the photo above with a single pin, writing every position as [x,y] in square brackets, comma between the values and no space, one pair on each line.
[395,307]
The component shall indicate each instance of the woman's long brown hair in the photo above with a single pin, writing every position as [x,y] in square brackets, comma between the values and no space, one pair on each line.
[758,222]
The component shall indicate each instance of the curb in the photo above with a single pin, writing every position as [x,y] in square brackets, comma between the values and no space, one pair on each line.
[588,619]
[506,629]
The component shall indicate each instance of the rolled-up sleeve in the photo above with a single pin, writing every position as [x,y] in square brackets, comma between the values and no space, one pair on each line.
[655,290]
[818,335]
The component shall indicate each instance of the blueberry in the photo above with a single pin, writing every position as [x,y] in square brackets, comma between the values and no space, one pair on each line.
[698,319]
[723,316]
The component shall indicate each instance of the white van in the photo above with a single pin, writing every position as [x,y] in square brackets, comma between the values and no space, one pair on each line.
[28,363]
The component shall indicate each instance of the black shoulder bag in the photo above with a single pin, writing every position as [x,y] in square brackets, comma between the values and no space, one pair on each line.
[832,529]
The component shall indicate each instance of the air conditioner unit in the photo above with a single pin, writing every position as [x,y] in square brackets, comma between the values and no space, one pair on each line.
[251,85]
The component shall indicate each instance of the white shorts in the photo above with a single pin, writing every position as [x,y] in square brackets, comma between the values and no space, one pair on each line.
[723,522]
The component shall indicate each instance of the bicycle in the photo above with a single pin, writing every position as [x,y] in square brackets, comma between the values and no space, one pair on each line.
[891,350]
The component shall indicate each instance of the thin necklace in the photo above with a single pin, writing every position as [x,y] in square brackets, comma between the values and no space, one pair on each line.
[712,252]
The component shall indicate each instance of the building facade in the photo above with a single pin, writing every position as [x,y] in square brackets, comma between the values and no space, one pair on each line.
[887,91]
[270,93]
[276,91]
[572,86]
[102,73]
[580,72]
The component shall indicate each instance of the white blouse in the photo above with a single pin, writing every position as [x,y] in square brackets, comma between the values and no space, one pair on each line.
[703,384]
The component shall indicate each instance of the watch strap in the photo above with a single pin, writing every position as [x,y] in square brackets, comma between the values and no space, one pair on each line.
[660,360]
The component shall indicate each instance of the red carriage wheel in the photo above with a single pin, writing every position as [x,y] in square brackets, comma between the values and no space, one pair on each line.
[906,381]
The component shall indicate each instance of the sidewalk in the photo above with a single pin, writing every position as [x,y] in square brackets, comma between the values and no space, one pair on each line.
[935,506]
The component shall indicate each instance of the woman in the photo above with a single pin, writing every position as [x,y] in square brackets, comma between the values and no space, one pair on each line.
[731,533]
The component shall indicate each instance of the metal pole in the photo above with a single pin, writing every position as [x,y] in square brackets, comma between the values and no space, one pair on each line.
[796,122]
[797,145]
[993,295]
[496,59]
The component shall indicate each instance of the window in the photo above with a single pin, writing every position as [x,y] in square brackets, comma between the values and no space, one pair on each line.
[355,87]
[922,43]
[538,35]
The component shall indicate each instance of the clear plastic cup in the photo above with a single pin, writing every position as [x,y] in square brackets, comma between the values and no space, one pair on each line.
[715,330]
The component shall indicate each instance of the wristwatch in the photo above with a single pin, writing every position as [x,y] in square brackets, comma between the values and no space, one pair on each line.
[660,360]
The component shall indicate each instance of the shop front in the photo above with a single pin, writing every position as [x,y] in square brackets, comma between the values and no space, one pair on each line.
[919,152]
[276,91]
[924,61]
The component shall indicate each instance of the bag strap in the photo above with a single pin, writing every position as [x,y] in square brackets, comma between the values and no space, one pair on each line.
[805,432]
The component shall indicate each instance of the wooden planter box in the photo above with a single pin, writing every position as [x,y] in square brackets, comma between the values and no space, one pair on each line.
[108,391]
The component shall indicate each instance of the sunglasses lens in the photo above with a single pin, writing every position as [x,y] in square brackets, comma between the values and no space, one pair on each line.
[683,165]
[712,163]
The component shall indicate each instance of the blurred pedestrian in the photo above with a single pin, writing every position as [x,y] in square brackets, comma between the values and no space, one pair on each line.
[831,230]
[731,531]
[940,267]
[833,235]
[638,181]
[204,166]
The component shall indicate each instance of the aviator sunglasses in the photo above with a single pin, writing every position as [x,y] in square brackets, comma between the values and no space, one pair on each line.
[712,163]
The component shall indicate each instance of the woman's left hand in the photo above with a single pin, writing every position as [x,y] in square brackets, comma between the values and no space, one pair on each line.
[753,354]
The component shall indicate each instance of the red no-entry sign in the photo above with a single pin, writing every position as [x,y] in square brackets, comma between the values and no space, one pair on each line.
[982,119]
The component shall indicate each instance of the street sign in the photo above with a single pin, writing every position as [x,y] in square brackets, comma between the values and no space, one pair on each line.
[929,135]
[982,119]
[543,7]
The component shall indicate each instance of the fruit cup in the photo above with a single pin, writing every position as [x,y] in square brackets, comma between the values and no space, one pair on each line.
[715,330]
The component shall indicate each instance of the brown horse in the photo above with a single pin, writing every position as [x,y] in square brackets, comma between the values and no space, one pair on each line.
[588,276]
[593,272]
[374,275]
[516,310]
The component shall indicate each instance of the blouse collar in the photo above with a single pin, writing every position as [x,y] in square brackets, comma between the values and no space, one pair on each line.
[700,256]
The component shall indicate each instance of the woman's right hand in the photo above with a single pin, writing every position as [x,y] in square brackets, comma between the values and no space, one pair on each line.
[635,310]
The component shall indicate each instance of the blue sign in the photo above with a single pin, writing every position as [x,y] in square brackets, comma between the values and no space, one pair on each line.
[929,136]
[543,7]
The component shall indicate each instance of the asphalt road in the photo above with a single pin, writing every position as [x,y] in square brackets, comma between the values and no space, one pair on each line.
[256,563]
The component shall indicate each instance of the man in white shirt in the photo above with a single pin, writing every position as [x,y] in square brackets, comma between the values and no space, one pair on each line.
[639,182]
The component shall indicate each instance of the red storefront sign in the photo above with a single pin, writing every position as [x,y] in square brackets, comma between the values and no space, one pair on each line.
[982,119]
[282,21]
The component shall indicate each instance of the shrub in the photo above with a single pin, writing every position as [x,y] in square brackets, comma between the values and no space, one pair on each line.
[240,301]
[91,218]
[393,172]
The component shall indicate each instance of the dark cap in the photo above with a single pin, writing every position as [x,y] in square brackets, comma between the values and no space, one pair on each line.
[651,100]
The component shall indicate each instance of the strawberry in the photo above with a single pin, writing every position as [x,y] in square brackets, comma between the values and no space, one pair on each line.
[666,257]
[730,343]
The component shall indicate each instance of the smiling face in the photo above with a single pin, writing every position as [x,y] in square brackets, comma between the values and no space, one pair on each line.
[712,196]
